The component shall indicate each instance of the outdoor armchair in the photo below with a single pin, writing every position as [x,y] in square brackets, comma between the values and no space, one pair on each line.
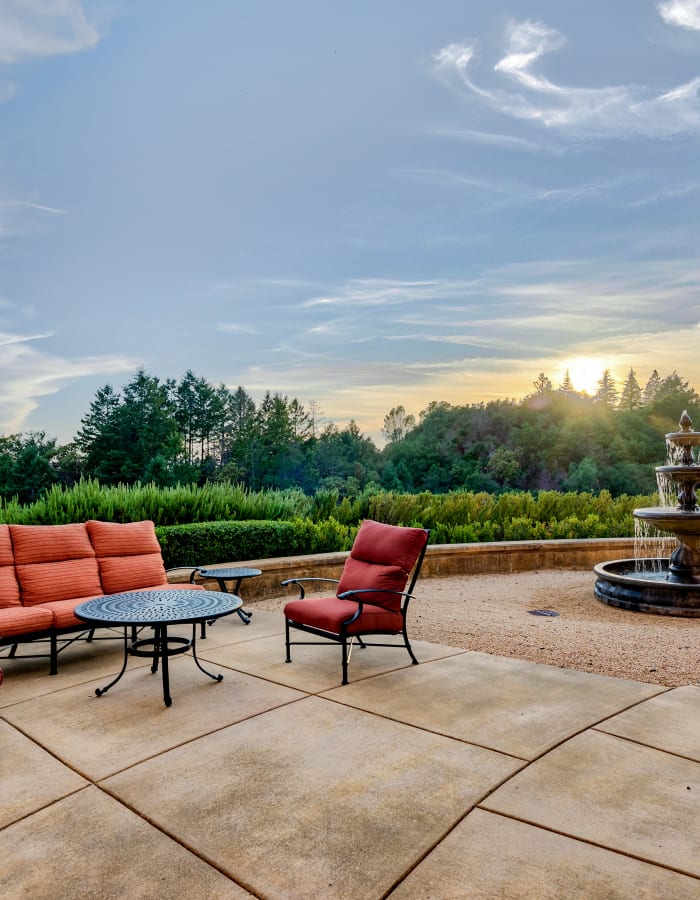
[369,598]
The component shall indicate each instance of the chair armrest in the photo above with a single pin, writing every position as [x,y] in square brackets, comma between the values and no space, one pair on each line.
[190,569]
[300,581]
[349,595]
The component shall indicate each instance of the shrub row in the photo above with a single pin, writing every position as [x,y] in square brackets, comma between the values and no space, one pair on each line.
[220,542]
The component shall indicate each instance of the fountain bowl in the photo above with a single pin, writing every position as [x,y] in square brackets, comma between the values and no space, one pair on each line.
[623,584]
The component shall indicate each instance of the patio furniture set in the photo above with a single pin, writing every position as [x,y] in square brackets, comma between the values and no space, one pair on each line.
[61,583]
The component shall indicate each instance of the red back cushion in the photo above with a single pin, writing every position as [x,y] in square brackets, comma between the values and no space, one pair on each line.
[9,589]
[389,545]
[382,557]
[50,543]
[128,555]
[54,562]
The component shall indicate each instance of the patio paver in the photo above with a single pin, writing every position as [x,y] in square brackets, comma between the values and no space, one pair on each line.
[489,856]
[603,789]
[89,846]
[504,704]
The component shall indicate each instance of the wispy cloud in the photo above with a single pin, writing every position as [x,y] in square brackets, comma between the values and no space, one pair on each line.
[37,28]
[524,92]
[235,328]
[27,373]
[683,13]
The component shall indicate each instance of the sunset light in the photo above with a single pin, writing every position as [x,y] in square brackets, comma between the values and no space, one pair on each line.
[585,372]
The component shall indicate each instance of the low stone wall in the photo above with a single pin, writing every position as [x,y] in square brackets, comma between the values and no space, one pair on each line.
[441,560]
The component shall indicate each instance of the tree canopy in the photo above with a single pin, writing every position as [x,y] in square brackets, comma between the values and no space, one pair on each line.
[193,432]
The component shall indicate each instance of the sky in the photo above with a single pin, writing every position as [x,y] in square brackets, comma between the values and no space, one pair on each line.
[360,205]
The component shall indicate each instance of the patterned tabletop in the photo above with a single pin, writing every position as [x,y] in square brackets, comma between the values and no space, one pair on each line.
[155,607]
[230,573]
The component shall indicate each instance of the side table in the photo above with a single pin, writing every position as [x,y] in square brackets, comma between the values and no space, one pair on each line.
[224,577]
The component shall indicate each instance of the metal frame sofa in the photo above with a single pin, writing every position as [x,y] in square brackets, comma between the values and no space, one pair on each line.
[47,570]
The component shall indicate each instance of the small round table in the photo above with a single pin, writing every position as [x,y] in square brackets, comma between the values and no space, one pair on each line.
[158,609]
[222,576]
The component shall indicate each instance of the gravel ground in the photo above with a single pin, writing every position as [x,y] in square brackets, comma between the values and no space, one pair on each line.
[490,613]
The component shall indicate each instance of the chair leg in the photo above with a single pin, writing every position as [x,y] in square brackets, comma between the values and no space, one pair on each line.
[345,659]
[287,642]
[414,661]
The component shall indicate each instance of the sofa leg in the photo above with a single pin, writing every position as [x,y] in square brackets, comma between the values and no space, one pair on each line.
[54,655]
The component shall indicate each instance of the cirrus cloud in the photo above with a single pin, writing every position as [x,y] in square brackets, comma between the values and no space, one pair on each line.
[524,92]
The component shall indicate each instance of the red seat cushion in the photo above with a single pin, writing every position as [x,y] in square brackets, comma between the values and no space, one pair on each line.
[328,614]
[19,620]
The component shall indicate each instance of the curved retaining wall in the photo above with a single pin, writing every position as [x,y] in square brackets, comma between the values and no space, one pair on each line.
[442,560]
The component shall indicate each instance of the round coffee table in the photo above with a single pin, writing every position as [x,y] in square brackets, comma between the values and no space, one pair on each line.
[157,609]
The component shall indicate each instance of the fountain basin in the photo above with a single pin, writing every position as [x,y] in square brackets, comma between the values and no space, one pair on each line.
[622,584]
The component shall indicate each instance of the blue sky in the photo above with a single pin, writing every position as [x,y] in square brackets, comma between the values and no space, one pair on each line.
[357,204]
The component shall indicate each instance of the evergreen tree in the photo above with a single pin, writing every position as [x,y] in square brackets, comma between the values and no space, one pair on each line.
[567,385]
[631,396]
[607,391]
[651,389]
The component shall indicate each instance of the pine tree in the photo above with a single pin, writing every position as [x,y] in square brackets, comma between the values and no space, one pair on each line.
[651,389]
[607,391]
[567,385]
[631,396]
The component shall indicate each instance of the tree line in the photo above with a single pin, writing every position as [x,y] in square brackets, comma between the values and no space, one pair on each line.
[166,432]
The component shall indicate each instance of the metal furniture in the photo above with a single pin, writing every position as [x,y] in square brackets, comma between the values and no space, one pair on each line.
[370,596]
[158,609]
[225,576]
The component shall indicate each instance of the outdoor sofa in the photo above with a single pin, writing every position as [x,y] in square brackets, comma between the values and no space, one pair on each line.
[47,570]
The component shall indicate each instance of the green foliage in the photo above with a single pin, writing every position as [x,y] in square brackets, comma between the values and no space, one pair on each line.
[231,542]
[165,506]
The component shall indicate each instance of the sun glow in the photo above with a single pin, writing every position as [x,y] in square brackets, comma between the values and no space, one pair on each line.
[585,372]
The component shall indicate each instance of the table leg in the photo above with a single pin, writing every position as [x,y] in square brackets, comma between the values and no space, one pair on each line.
[218,677]
[100,691]
[243,614]
[162,647]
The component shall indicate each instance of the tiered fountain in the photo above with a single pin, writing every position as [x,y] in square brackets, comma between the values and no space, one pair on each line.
[669,586]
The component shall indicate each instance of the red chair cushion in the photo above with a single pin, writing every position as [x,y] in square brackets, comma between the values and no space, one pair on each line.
[328,614]
[389,545]
[382,557]
[358,574]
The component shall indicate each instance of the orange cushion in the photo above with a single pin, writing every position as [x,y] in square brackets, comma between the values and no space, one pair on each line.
[128,555]
[44,582]
[358,574]
[18,620]
[7,557]
[129,573]
[328,613]
[9,589]
[123,539]
[389,545]
[50,543]
[62,612]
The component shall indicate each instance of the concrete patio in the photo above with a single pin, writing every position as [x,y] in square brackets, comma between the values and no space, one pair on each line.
[468,776]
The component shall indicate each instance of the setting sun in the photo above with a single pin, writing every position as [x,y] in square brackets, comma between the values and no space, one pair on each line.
[585,372]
